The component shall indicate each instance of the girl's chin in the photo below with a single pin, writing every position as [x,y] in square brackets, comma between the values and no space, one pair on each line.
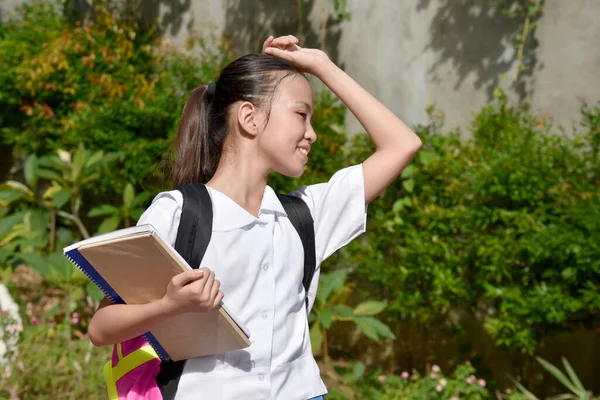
[294,172]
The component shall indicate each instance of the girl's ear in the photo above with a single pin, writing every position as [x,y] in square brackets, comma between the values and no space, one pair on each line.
[247,118]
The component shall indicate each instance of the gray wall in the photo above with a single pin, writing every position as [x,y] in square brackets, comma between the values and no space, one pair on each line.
[410,54]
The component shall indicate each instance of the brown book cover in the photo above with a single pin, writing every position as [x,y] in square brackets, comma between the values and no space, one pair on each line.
[136,265]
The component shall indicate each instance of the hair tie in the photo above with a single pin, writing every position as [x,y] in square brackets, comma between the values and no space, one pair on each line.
[211,88]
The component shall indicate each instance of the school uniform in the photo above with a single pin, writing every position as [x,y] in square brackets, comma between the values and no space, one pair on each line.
[259,262]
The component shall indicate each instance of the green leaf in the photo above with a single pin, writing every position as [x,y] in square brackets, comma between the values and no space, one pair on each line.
[426,157]
[52,162]
[557,374]
[330,284]
[110,157]
[527,393]
[325,317]
[409,185]
[109,224]
[39,221]
[94,292]
[38,263]
[376,327]
[30,170]
[316,337]
[97,156]
[344,311]
[141,199]
[369,308]
[136,213]
[102,210]
[358,370]
[61,198]
[366,326]
[382,329]
[5,254]
[410,171]
[78,161]
[9,195]
[49,175]
[7,223]
[62,266]
[128,195]
[573,376]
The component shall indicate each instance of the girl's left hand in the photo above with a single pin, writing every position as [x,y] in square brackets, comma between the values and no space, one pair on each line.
[287,48]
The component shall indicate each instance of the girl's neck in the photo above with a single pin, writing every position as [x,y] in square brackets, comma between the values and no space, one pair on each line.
[241,181]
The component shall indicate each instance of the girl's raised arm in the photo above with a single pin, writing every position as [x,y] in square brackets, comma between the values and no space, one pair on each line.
[395,143]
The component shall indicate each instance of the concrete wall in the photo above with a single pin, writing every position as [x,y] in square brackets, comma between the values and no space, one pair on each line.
[410,54]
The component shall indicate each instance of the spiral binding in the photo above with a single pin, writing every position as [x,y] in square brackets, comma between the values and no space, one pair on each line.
[108,293]
[148,336]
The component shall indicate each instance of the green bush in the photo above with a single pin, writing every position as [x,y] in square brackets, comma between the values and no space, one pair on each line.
[504,224]
[51,364]
[106,83]
[435,385]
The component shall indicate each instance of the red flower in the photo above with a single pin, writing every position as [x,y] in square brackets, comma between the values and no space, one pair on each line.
[51,86]
[26,109]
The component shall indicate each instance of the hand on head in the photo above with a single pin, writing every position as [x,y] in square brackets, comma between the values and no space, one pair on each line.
[288,48]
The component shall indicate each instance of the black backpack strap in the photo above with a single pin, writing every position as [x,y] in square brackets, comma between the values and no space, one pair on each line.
[195,226]
[193,236]
[300,217]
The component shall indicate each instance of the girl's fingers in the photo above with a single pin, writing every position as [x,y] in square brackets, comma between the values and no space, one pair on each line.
[214,292]
[199,286]
[290,38]
[267,43]
[218,299]
[209,284]
[274,51]
[186,277]
[288,42]
[284,41]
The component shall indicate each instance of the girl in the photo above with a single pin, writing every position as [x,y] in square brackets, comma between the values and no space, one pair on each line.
[254,120]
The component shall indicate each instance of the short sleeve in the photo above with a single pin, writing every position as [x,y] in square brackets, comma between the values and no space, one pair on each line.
[164,214]
[338,209]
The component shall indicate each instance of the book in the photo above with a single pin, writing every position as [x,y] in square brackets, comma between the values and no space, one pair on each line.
[134,266]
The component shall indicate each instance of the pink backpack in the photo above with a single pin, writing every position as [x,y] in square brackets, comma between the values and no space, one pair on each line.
[131,373]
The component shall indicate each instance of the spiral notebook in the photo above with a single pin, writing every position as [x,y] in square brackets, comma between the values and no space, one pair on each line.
[134,266]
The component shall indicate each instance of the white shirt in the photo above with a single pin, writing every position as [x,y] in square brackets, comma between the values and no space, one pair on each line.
[259,262]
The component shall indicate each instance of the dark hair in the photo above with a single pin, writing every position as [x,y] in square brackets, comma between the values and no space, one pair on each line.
[204,124]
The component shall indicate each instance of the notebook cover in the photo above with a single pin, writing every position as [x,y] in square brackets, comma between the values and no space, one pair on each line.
[136,269]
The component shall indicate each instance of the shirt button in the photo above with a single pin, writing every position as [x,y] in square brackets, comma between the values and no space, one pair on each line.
[261,377]
[265,267]
[264,315]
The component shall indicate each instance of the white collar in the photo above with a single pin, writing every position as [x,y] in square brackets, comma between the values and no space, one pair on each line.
[228,215]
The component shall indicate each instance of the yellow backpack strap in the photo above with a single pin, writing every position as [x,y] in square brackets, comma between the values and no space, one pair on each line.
[111,384]
[124,365]
[119,352]
[132,361]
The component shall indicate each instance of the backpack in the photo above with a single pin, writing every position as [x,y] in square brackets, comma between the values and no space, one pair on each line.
[135,371]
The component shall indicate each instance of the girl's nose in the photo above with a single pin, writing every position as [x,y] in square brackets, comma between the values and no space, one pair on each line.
[310,134]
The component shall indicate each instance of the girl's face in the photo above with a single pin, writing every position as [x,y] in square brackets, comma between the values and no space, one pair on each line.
[286,140]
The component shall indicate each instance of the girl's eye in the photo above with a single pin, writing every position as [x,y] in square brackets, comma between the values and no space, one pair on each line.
[303,115]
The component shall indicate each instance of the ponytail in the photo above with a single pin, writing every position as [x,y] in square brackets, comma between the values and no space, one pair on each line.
[197,153]
[203,127]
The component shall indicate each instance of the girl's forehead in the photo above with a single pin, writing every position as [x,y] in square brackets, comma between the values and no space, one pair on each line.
[296,88]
